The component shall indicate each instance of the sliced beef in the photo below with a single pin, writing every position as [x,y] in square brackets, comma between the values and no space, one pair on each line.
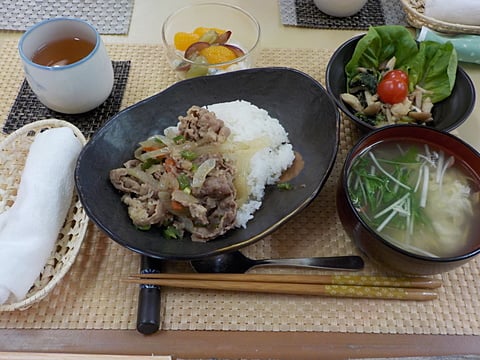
[217,195]
[146,203]
[146,211]
[123,182]
[202,126]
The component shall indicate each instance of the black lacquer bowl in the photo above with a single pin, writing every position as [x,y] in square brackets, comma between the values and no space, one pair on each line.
[448,114]
[300,103]
[379,248]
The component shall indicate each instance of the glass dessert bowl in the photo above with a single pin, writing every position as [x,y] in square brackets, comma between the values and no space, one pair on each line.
[210,38]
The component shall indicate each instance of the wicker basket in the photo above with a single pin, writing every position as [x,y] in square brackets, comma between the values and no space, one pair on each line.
[415,17]
[13,152]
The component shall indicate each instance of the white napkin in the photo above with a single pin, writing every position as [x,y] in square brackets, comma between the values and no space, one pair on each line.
[29,229]
[465,12]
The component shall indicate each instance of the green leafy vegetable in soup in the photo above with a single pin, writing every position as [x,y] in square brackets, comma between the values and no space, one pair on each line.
[429,67]
[416,197]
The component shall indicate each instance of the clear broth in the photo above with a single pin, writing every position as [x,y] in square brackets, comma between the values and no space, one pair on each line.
[428,212]
[62,52]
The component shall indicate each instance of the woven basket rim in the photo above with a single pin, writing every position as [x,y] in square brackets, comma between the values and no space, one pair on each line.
[417,19]
[81,219]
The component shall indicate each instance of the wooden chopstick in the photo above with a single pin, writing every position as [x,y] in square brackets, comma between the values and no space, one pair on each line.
[263,284]
[381,281]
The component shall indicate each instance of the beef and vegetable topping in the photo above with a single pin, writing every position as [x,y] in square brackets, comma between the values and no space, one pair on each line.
[181,181]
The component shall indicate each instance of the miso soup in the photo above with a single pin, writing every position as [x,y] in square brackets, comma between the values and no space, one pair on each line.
[417,197]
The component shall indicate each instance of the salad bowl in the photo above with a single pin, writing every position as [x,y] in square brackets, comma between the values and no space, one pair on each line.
[300,104]
[447,114]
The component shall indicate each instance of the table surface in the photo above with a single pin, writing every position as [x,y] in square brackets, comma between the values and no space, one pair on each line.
[145,28]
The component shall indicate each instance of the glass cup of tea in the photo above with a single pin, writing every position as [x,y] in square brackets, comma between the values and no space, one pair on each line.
[66,64]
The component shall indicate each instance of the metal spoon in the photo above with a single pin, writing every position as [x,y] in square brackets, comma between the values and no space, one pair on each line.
[236,262]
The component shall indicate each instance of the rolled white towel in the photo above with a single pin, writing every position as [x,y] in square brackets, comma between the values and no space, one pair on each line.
[29,229]
[466,12]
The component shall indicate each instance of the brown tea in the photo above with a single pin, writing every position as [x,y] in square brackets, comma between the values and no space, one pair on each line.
[62,52]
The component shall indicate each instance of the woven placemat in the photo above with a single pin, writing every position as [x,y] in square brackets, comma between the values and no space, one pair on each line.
[304,13]
[28,108]
[108,16]
[92,297]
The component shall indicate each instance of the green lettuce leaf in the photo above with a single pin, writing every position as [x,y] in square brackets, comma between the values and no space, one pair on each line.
[380,44]
[434,69]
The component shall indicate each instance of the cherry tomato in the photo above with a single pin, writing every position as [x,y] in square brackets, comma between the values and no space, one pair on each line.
[396,74]
[392,91]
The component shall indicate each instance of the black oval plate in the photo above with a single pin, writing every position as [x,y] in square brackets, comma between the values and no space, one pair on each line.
[298,101]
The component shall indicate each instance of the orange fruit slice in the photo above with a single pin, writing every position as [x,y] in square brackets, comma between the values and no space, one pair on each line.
[182,40]
[216,54]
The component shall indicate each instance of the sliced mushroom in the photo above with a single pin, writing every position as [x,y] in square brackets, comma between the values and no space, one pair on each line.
[356,89]
[401,109]
[353,101]
[388,115]
[417,98]
[388,65]
[369,98]
[420,116]
[373,109]
[427,105]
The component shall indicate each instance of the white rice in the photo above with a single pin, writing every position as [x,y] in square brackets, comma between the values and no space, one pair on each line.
[248,122]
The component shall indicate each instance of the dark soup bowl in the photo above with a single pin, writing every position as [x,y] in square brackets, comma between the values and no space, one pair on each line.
[299,103]
[408,196]
[447,114]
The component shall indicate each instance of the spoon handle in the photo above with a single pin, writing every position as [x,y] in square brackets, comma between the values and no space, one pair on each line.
[333,262]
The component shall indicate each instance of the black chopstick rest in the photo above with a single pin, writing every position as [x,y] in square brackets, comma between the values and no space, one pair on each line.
[148,313]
